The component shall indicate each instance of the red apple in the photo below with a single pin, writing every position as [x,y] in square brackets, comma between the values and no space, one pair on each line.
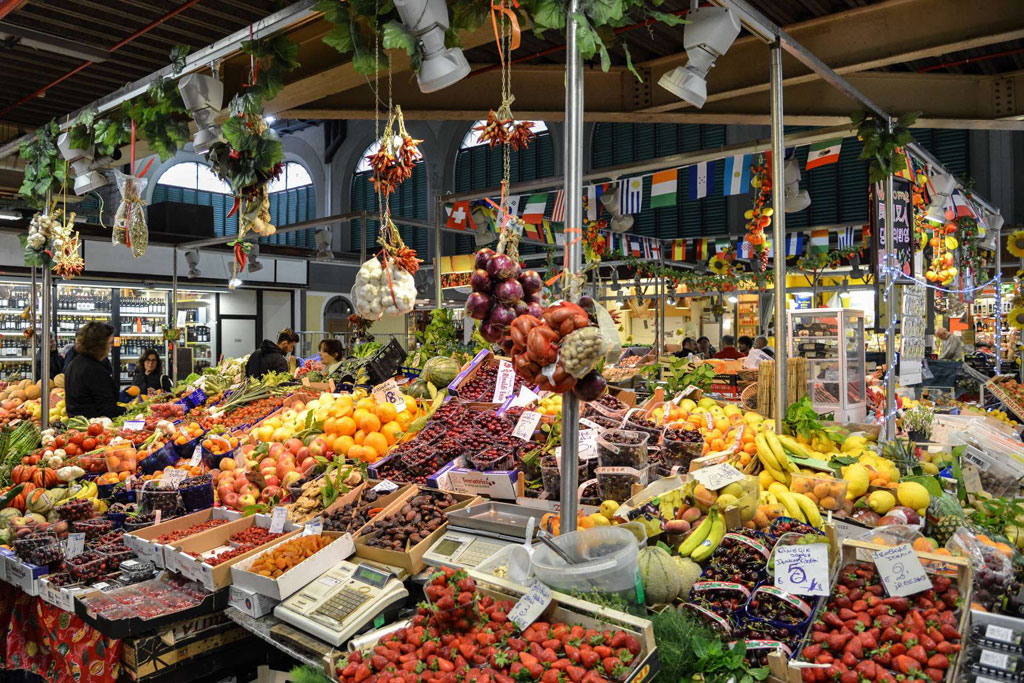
[240,483]
[293,445]
[223,490]
[276,450]
[272,480]
[283,468]
[317,447]
[269,493]
[302,454]
[306,464]
[231,499]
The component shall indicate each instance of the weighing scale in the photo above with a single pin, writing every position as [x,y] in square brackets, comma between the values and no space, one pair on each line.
[340,602]
[476,533]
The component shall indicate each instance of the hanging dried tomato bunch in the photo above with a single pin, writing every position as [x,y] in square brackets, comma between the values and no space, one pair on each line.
[396,156]
[495,130]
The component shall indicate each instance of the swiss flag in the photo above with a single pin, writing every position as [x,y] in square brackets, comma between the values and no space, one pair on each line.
[459,218]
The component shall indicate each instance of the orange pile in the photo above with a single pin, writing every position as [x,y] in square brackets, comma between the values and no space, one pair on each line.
[188,432]
[280,559]
[362,429]
[219,445]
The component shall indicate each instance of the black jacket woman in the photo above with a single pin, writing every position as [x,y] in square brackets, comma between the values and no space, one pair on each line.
[149,374]
[88,381]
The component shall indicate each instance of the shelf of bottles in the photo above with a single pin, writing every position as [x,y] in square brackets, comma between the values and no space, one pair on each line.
[197,316]
[141,315]
[747,316]
[77,305]
[17,314]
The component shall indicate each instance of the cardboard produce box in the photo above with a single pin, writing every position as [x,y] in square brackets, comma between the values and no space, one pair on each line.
[411,560]
[143,540]
[158,653]
[298,576]
[383,502]
[215,577]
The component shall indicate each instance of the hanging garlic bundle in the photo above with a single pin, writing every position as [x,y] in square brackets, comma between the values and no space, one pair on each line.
[130,227]
[67,262]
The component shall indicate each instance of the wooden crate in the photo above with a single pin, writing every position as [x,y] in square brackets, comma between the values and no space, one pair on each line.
[957,568]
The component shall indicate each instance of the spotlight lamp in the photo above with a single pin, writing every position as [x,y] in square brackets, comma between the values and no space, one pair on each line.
[203,96]
[943,185]
[994,222]
[796,199]
[619,222]
[87,174]
[192,259]
[708,36]
[324,237]
[427,20]
[253,264]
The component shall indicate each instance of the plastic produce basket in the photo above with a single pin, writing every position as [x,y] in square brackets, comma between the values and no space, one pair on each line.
[386,362]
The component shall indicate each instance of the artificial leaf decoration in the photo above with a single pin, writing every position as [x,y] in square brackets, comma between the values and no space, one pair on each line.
[178,55]
[161,118]
[45,170]
[883,147]
[274,57]
[104,134]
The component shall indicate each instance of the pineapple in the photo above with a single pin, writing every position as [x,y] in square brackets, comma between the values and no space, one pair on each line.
[944,516]
[945,528]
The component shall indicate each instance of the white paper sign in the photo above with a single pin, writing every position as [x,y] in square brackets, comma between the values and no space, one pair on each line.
[239,460]
[717,476]
[525,398]
[388,392]
[157,516]
[174,477]
[588,443]
[530,606]
[134,425]
[527,425]
[802,569]
[590,424]
[506,382]
[277,519]
[76,545]
[386,486]
[197,456]
[901,571]
[314,528]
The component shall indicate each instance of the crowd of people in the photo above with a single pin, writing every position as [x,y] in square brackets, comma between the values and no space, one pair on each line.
[732,348]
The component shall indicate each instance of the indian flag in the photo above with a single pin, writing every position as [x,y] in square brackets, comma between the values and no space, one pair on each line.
[824,153]
[819,241]
[663,188]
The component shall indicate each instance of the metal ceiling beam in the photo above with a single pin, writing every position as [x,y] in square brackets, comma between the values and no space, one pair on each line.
[857,40]
[46,42]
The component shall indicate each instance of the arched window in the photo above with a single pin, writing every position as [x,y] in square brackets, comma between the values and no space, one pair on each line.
[408,201]
[292,199]
[479,166]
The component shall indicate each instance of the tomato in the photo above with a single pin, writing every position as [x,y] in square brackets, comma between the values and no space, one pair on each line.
[95,429]
[59,442]
[72,449]
[88,444]
[77,438]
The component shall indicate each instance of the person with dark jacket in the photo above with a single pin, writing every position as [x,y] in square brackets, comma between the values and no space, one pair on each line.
[89,386]
[148,374]
[270,357]
[56,362]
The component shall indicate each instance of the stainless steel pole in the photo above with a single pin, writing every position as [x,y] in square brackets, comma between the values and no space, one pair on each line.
[997,331]
[573,252]
[44,373]
[437,252]
[890,311]
[174,313]
[779,235]
[32,323]
[663,327]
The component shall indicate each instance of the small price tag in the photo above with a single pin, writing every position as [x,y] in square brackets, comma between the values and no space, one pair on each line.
[739,436]
[386,486]
[901,570]
[239,460]
[102,585]
[590,424]
[277,519]
[174,477]
[1001,634]
[525,398]
[134,425]
[802,569]
[527,424]
[506,382]
[717,476]
[314,528]
[197,456]
[76,545]
[388,392]
[129,563]
[530,606]
[157,516]
[710,420]
[588,443]
[972,478]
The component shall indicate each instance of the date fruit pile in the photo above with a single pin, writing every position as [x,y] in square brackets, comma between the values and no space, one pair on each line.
[353,516]
[411,523]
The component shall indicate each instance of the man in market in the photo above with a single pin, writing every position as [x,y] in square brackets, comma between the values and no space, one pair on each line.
[704,348]
[761,344]
[270,357]
[729,350]
[744,344]
[952,346]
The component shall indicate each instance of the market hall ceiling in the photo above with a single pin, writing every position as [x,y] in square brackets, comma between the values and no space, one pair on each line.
[961,64]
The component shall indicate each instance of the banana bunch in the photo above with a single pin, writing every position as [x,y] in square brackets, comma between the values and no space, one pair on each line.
[82,489]
[703,540]
[791,445]
[773,457]
[797,505]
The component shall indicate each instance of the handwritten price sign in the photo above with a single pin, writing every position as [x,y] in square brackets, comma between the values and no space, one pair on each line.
[388,392]
[530,606]
[901,571]
[717,476]
[802,569]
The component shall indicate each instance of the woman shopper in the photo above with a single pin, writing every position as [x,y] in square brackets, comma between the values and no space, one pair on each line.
[149,377]
[89,385]
[331,351]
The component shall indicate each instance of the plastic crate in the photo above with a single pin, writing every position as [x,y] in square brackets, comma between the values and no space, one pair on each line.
[386,362]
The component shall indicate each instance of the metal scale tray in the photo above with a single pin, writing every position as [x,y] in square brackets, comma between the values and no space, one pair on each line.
[505,520]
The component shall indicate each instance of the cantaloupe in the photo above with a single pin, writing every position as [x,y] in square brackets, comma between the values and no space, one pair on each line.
[659,575]
[689,574]
[58,381]
[34,390]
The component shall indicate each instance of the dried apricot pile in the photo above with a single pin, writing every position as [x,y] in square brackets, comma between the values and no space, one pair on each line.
[280,559]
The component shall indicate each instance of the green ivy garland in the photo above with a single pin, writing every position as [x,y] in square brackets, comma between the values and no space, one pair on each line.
[106,134]
[353,31]
[161,118]
[882,146]
[274,57]
[249,157]
[700,282]
[45,170]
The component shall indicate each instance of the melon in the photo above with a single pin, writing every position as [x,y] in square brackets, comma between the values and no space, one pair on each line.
[440,371]
[33,391]
[418,389]
[689,574]
[659,575]
[38,501]
[9,513]
[59,380]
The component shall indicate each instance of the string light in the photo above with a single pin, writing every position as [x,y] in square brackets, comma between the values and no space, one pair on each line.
[998,336]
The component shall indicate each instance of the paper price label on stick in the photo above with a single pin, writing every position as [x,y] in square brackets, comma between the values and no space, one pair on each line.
[388,392]
[527,425]
[197,456]
[901,571]
[802,569]
[717,476]
[530,606]
[76,545]
[134,425]
[386,486]
[314,528]
[277,519]
[174,477]
[506,382]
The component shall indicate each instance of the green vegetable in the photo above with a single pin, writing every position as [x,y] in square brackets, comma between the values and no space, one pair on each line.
[686,648]
[801,418]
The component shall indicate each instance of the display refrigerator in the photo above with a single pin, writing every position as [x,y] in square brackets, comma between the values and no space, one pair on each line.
[832,341]
[197,316]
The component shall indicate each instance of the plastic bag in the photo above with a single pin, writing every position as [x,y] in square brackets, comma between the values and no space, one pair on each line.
[993,568]
[130,228]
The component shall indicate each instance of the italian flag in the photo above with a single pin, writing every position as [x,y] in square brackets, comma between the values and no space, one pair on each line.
[819,241]
[535,205]
[824,153]
[663,188]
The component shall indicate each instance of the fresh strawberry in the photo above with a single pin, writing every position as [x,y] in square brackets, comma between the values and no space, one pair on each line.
[938,662]
[867,669]
[576,673]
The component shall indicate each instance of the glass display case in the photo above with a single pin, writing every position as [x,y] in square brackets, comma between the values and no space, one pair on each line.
[832,341]
[141,316]
[197,315]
